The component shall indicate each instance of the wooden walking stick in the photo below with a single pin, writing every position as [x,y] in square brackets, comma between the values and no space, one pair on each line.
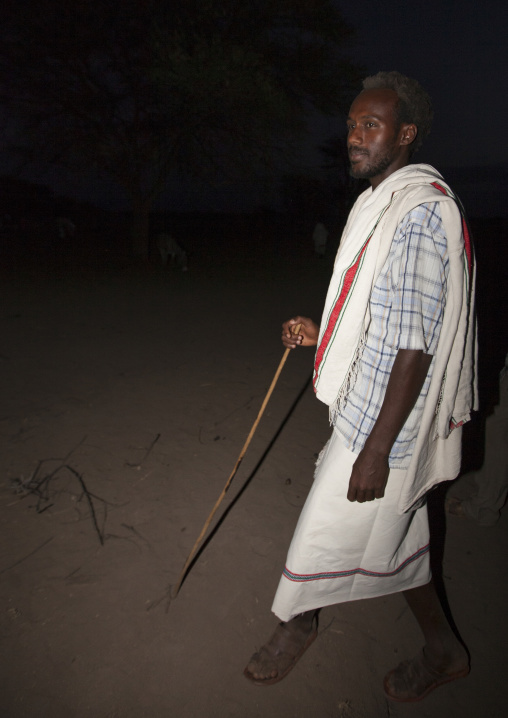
[295,330]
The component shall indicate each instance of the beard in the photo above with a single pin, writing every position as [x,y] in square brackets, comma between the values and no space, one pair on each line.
[372,168]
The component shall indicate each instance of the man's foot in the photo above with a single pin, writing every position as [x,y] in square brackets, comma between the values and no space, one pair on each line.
[282,652]
[414,679]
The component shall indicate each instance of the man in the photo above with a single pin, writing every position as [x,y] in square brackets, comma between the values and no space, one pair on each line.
[398,321]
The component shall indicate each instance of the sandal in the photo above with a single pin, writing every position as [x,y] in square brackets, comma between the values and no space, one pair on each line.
[283,651]
[414,679]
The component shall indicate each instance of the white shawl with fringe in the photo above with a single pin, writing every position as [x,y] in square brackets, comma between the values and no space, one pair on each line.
[363,250]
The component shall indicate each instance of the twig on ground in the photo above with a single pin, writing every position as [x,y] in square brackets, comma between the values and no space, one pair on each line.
[134,530]
[167,596]
[145,457]
[40,486]
[90,502]
[16,563]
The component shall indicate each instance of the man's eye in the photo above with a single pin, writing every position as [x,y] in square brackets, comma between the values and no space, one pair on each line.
[371,124]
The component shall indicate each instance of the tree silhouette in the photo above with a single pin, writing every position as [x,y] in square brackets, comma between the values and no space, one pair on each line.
[136,90]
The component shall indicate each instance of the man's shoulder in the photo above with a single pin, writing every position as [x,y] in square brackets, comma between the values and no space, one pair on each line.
[422,231]
[426,215]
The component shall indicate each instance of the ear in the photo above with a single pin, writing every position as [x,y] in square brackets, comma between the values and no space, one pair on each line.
[408,134]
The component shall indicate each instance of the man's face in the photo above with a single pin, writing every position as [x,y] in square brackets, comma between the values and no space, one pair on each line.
[376,141]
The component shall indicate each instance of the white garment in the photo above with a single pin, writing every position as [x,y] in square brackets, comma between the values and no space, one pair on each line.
[363,250]
[344,551]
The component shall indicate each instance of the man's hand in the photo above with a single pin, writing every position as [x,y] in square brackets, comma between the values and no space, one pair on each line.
[368,477]
[371,469]
[306,337]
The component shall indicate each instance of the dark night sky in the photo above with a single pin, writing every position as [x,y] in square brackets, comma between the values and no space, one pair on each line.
[457,49]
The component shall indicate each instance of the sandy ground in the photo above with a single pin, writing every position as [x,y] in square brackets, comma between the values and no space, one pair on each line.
[132,392]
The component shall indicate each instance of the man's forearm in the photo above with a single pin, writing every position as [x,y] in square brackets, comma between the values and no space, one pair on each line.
[404,386]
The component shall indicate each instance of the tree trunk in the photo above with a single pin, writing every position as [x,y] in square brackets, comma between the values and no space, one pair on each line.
[140,227]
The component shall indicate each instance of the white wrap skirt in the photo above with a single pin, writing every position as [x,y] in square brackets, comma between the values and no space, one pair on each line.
[343,550]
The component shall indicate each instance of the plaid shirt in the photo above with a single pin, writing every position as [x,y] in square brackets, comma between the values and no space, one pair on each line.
[406,305]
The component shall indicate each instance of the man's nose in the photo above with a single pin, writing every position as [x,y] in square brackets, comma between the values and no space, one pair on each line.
[354,136]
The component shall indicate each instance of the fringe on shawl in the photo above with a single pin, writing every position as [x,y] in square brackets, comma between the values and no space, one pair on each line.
[349,381]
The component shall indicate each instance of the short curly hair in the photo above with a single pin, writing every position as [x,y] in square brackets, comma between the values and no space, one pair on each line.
[414,106]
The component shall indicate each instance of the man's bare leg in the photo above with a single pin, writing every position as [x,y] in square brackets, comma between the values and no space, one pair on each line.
[443,658]
[281,653]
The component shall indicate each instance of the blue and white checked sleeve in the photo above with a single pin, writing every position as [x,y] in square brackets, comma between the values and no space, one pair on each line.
[418,269]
